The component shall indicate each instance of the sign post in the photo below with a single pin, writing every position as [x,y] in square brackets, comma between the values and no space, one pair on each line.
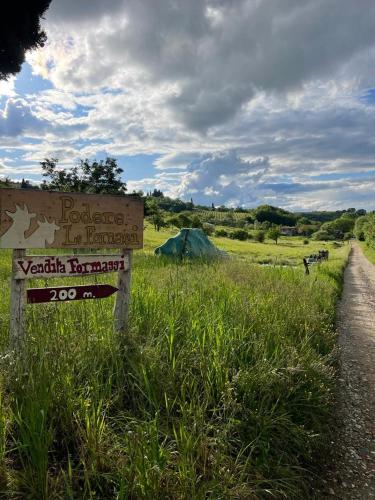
[48,219]
[121,309]
[17,306]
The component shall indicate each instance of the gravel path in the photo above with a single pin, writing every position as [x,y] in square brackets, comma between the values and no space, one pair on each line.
[352,473]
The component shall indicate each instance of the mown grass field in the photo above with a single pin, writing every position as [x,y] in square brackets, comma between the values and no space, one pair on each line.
[220,389]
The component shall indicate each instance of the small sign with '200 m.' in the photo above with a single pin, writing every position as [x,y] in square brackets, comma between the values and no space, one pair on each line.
[68,293]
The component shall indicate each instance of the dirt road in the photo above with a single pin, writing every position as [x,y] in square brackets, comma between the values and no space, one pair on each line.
[353,449]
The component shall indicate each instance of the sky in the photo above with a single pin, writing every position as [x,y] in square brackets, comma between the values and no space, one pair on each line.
[235,102]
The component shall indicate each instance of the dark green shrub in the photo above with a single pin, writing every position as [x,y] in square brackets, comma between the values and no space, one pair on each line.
[239,234]
[208,228]
[323,235]
[260,236]
[221,233]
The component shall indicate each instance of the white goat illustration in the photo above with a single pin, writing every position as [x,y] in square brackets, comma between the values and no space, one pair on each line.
[15,236]
[44,233]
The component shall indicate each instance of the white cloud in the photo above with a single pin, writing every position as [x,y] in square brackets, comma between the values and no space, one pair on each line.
[209,86]
[216,54]
[7,87]
[223,177]
[18,118]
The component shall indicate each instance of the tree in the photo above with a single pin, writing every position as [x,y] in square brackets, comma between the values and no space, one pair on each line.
[303,221]
[360,212]
[274,215]
[157,193]
[5,183]
[20,31]
[249,219]
[338,227]
[26,184]
[155,214]
[158,221]
[101,177]
[274,233]
[360,227]
[180,221]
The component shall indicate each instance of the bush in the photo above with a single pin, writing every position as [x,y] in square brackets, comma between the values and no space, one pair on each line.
[361,236]
[323,235]
[221,233]
[305,242]
[260,236]
[239,234]
[180,221]
[208,228]
[196,222]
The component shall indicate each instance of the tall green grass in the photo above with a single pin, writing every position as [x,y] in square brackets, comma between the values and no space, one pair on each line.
[221,388]
[368,251]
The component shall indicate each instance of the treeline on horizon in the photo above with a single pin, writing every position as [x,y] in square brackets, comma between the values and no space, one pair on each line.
[262,213]
[320,225]
[104,177]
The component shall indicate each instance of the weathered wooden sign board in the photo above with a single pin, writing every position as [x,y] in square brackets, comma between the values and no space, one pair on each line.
[46,219]
[60,266]
[68,293]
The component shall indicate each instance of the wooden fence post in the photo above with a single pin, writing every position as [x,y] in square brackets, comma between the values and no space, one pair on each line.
[121,309]
[17,305]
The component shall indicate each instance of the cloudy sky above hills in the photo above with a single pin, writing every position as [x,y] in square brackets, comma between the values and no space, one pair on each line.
[240,102]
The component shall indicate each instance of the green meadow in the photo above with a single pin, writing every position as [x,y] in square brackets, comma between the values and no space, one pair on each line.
[288,251]
[220,389]
[368,251]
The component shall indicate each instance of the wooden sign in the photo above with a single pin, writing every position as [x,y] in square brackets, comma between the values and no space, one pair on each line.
[59,266]
[47,219]
[68,293]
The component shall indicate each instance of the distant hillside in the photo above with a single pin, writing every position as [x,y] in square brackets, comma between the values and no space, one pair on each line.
[328,216]
[263,213]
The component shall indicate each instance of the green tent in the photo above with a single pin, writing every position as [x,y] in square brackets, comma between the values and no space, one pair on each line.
[189,242]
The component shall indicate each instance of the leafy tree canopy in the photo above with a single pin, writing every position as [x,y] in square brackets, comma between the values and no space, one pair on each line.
[101,177]
[20,31]
[274,215]
[343,224]
[365,229]
[166,203]
[274,233]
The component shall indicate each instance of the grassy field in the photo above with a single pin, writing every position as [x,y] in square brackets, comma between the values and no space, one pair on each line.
[288,251]
[220,389]
[368,251]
